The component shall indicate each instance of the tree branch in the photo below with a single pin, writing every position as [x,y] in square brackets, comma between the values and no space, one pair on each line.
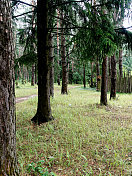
[24,3]
[22,14]
[123,28]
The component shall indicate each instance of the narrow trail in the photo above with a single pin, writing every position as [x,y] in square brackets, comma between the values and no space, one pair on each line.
[21,99]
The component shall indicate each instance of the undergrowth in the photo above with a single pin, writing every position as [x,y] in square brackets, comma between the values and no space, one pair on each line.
[85,139]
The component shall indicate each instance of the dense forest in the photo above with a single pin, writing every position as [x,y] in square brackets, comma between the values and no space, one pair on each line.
[75,57]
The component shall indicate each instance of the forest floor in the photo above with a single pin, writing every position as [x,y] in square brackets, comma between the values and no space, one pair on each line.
[85,139]
[24,98]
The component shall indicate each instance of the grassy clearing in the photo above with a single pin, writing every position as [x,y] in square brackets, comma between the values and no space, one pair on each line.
[23,90]
[84,139]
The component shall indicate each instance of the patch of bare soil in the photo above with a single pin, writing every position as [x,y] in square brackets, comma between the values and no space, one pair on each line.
[21,99]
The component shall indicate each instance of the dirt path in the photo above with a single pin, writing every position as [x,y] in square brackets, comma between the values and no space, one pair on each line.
[21,99]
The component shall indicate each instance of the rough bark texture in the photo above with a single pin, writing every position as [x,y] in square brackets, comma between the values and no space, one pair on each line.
[84,80]
[63,59]
[51,59]
[8,161]
[113,77]
[103,99]
[44,110]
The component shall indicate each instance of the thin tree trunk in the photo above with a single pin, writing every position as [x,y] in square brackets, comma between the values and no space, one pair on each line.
[58,76]
[84,80]
[98,79]
[63,58]
[91,85]
[120,69]
[33,47]
[43,110]
[27,74]
[68,67]
[51,59]
[33,73]
[23,75]
[109,77]
[103,99]
[113,78]
[8,160]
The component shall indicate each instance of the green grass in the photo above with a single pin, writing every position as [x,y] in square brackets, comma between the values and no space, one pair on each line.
[22,90]
[84,139]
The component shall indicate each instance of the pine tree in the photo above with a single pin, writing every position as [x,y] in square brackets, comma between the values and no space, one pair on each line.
[44,109]
[8,159]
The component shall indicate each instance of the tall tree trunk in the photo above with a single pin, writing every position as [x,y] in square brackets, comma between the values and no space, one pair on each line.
[103,99]
[58,76]
[63,58]
[84,80]
[91,85]
[98,79]
[109,74]
[23,75]
[68,65]
[51,59]
[120,70]
[33,45]
[8,160]
[113,78]
[43,110]
[33,73]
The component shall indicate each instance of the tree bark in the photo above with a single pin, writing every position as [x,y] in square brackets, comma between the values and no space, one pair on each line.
[8,160]
[43,110]
[58,76]
[98,79]
[113,78]
[103,99]
[51,60]
[120,70]
[109,75]
[63,59]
